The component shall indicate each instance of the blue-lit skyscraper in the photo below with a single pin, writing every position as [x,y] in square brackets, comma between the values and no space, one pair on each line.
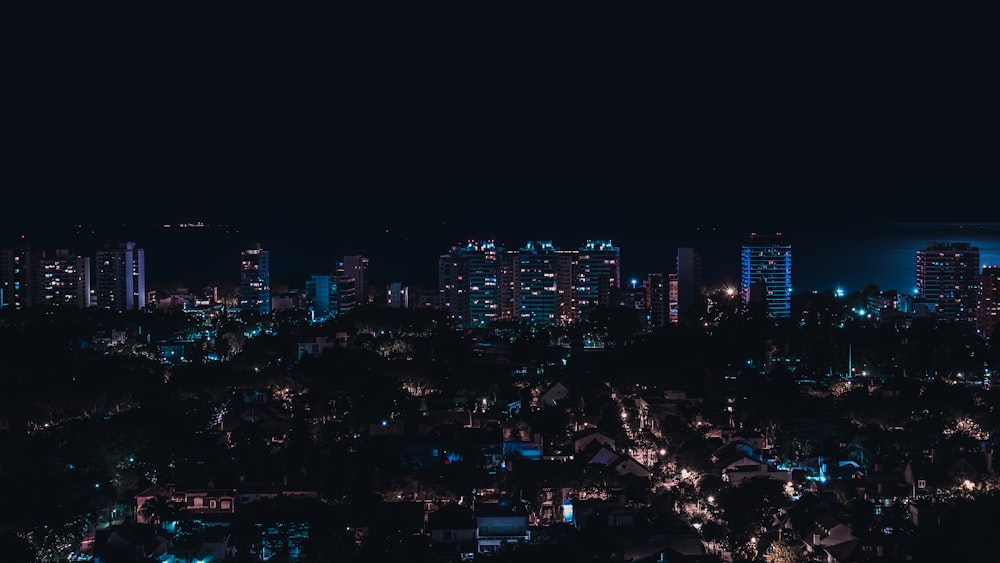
[766,273]
[322,296]
[255,280]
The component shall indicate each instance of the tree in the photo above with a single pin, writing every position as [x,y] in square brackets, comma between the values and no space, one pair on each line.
[783,551]
[160,510]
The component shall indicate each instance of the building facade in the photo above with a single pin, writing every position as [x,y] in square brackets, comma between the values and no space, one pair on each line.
[469,282]
[64,279]
[120,283]
[597,275]
[19,281]
[481,282]
[543,287]
[989,301]
[948,280]
[351,277]
[322,297]
[657,300]
[255,280]
[766,274]
[688,280]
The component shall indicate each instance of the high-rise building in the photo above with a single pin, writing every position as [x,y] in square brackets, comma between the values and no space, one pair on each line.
[543,287]
[597,275]
[766,274]
[989,301]
[480,282]
[657,300]
[948,279]
[469,282]
[322,296]
[255,280]
[688,279]
[65,279]
[121,277]
[351,277]
[397,296]
[19,271]
[672,310]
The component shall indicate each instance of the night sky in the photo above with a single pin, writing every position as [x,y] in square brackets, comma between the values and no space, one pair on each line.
[397,134]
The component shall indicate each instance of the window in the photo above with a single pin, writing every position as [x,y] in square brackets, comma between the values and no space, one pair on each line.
[213,504]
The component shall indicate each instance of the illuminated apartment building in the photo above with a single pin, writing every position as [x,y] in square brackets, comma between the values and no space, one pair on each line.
[766,274]
[19,270]
[597,275]
[480,282]
[64,279]
[469,283]
[657,300]
[352,282]
[543,289]
[948,279]
[255,280]
[121,277]
[989,301]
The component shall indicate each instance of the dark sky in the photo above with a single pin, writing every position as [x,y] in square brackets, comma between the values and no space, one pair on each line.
[651,127]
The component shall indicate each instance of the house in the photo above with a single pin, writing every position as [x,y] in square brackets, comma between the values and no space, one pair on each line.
[453,530]
[501,523]
[738,461]
[627,465]
[209,500]
[130,542]
[588,435]
[554,395]
[818,522]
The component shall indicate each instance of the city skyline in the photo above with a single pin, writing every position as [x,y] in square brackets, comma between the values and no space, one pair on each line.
[884,255]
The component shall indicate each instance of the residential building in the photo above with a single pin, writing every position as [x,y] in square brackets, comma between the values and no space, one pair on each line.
[543,287]
[322,296]
[65,279]
[19,271]
[766,274]
[597,275]
[688,279]
[397,296]
[255,280]
[121,277]
[948,279]
[989,301]
[351,276]
[501,523]
[480,282]
[469,283]
[657,300]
